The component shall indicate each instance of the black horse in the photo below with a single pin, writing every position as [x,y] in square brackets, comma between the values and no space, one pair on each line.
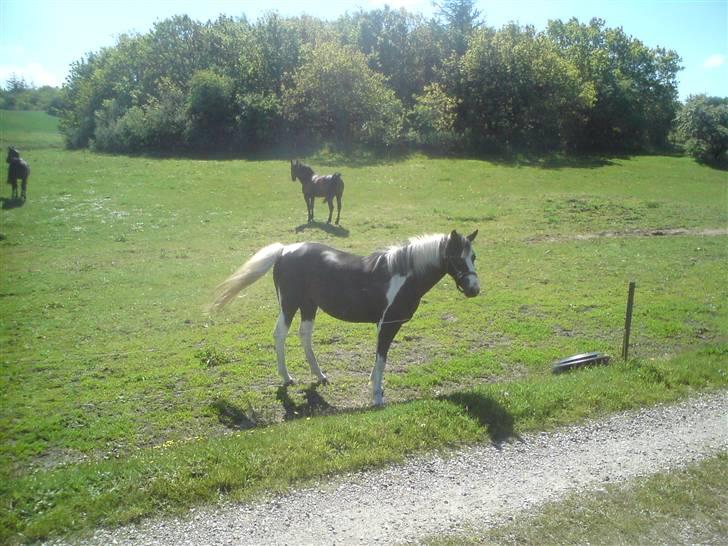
[384,288]
[18,168]
[313,185]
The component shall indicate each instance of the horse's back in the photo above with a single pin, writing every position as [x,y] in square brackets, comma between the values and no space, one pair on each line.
[327,186]
[311,258]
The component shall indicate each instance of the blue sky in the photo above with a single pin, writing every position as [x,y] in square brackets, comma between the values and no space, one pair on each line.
[39,39]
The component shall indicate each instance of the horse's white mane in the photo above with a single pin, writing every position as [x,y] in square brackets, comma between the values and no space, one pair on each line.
[417,255]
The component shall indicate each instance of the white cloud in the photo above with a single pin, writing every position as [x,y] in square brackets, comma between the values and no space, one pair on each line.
[33,73]
[714,61]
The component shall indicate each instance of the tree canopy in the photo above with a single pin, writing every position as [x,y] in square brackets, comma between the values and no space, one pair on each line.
[384,77]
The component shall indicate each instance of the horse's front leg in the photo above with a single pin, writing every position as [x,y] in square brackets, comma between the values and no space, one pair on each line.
[308,208]
[387,331]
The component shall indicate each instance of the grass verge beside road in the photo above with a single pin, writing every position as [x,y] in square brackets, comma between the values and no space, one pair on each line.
[174,477]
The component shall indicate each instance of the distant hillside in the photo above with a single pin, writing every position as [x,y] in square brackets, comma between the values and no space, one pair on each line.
[28,130]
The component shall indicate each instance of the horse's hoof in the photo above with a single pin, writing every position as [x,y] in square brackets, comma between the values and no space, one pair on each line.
[323,380]
[288,382]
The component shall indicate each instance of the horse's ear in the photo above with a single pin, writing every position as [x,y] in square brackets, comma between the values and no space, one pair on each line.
[471,237]
[453,239]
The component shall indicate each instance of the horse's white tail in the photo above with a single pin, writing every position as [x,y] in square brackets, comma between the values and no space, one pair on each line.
[249,272]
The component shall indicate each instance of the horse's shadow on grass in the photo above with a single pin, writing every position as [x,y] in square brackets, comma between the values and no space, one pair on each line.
[232,416]
[488,413]
[313,403]
[11,203]
[336,231]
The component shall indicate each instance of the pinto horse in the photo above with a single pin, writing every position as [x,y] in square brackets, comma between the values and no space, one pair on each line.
[18,168]
[384,288]
[314,185]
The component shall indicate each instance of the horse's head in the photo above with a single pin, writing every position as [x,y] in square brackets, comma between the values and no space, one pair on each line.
[460,263]
[301,171]
[12,154]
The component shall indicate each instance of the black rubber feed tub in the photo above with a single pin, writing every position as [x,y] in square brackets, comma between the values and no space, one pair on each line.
[577,361]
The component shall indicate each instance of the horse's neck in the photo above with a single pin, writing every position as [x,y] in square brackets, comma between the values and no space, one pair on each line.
[426,280]
[305,176]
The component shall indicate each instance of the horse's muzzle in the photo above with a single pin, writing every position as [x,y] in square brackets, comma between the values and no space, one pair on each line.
[468,284]
[471,291]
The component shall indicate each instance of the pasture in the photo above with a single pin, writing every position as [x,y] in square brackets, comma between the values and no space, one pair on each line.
[121,398]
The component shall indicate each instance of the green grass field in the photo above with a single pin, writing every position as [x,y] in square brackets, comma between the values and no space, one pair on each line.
[115,385]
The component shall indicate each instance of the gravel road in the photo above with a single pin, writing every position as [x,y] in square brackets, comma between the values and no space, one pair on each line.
[482,485]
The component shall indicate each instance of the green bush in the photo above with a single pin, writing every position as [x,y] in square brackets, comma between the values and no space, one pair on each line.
[702,124]
[209,109]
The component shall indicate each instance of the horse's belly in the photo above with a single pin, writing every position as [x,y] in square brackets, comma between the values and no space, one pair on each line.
[360,306]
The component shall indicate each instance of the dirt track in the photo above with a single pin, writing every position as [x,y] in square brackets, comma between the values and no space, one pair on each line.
[483,485]
[704,232]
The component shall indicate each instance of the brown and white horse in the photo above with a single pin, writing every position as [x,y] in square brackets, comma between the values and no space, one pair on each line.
[313,185]
[384,288]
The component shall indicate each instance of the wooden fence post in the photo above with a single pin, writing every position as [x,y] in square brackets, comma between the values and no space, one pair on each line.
[628,320]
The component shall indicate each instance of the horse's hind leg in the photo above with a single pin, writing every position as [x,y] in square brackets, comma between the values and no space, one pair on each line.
[330,202]
[305,332]
[279,334]
[14,186]
[23,189]
[338,208]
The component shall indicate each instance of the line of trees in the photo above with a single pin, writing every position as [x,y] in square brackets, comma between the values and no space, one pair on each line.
[17,94]
[379,78]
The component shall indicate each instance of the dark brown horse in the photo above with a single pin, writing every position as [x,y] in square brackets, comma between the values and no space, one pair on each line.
[18,168]
[313,185]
